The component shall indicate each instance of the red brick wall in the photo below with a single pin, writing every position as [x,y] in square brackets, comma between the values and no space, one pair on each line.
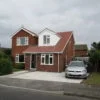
[61,62]
[67,55]
[19,49]
[81,53]
[70,50]
[27,61]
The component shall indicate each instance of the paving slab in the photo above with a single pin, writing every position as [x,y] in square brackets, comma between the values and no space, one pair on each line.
[46,76]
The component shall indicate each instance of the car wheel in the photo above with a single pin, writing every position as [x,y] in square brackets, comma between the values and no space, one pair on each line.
[66,76]
[85,77]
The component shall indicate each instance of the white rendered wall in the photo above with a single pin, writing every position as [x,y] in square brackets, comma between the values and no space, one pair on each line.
[53,38]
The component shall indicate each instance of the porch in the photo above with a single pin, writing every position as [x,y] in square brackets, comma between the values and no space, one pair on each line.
[31,62]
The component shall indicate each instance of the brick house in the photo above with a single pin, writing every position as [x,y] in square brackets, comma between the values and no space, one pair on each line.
[47,51]
[81,50]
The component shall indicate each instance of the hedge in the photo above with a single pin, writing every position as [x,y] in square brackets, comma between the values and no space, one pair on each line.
[5,66]
[20,66]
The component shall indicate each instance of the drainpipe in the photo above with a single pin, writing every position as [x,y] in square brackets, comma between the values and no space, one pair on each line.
[58,62]
[30,60]
[36,62]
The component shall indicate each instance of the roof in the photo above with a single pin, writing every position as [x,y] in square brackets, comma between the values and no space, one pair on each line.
[81,47]
[46,29]
[59,47]
[26,30]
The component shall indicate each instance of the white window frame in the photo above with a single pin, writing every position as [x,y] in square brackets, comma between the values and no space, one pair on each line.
[18,41]
[17,58]
[43,56]
[47,41]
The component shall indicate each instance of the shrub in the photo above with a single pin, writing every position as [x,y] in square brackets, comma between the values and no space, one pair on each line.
[3,55]
[20,66]
[94,55]
[5,66]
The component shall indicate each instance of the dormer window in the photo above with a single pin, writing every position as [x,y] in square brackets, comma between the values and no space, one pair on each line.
[46,39]
[21,41]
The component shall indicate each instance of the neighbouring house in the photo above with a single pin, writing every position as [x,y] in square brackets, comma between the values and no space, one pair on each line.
[47,51]
[81,50]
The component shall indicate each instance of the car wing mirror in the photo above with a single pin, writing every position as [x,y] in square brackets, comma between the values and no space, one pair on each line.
[66,65]
[86,66]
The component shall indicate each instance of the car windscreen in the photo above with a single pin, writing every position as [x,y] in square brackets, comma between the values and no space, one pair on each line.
[79,64]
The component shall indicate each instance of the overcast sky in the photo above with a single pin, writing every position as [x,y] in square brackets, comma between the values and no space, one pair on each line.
[80,16]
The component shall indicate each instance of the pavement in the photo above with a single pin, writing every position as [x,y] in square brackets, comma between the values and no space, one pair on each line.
[73,89]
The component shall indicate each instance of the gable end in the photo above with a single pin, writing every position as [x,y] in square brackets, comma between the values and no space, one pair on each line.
[26,30]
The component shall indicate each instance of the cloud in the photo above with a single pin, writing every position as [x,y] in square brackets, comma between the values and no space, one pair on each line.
[80,16]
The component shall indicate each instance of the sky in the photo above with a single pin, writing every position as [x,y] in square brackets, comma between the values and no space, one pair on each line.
[80,16]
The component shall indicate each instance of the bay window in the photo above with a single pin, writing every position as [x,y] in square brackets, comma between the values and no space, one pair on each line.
[47,59]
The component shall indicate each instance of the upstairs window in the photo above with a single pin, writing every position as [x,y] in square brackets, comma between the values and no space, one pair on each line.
[46,39]
[22,41]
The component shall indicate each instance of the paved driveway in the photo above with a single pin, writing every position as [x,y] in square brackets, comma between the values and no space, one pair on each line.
[46,76]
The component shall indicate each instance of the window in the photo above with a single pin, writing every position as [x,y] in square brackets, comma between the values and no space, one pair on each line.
[47,59]
[19,58]
[22,41]
[46,39]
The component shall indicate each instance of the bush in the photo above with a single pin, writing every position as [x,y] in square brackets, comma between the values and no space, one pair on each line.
[20,66]
[5,66]
[3,55]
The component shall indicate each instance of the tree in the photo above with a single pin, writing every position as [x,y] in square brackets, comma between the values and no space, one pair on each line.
[7,51]
[96,46]
[95,55]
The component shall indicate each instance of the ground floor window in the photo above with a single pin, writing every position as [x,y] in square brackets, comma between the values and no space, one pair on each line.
[19,58]
[47,59]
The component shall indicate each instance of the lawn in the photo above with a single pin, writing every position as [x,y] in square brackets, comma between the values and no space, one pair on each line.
[93,79]
[15,69]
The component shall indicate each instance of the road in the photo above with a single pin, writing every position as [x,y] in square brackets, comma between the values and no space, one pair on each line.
[11,93]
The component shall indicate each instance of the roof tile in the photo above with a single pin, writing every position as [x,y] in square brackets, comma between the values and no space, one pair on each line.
[47,49]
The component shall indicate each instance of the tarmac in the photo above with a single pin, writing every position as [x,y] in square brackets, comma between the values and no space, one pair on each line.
[64,88]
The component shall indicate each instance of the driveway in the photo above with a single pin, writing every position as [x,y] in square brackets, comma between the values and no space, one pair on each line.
[45,76]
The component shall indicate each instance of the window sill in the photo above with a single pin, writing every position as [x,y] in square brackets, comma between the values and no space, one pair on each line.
[47,64]
[19,62]
[21,45]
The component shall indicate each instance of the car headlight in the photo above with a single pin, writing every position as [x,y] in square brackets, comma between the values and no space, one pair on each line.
[67,70]
[84,71]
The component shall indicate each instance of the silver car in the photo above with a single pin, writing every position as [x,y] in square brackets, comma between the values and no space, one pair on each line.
[76,69]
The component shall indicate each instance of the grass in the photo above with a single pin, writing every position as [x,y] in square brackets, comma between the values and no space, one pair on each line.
[93,79]
[15,69]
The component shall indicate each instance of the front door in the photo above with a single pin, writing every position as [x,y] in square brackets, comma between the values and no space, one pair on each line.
[33,61]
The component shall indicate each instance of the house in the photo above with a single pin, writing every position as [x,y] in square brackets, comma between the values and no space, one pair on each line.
[81,50]
[47,51]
